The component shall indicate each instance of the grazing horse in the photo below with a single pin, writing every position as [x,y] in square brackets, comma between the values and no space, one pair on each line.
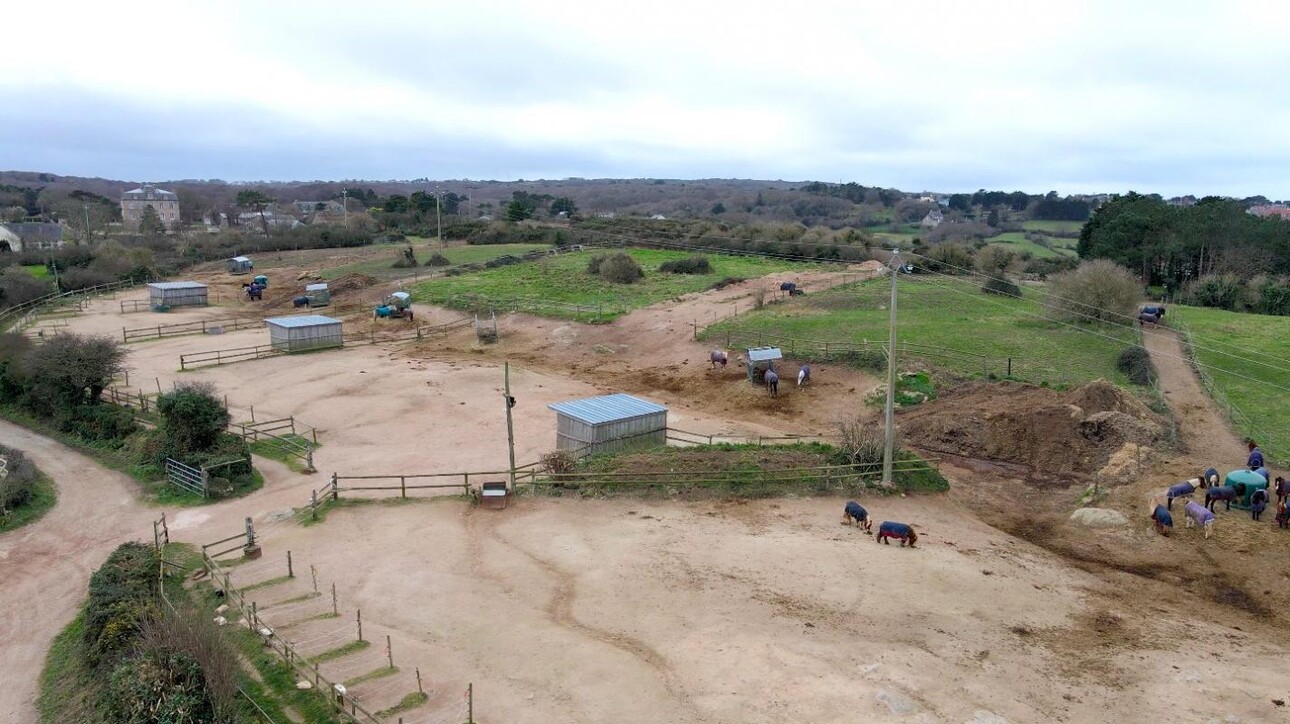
[1199,515]
[1283,515]
[854,512]
[772,382]
[1153,319]
[254,292]
[1211,478]
[803,375]
[1182,490]
[1225,493]
[1255,460]
[787,287]
[1282,489]
[299,302]
[903,531]
[1163,520]
[718,357]
[1258,503]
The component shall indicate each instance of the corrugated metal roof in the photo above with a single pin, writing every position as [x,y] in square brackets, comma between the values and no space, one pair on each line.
[761,354]
[304,320]
[607,408]
[401,295]
[315,287]
[240,258]
[176,285]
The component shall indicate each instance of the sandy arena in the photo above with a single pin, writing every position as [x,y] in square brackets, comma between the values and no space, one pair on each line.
[631,610]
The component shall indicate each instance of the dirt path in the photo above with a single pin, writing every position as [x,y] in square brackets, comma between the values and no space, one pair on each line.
[44,567]
[1204,431]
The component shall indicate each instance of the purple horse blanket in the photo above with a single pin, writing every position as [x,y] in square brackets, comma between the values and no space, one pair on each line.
[894,530]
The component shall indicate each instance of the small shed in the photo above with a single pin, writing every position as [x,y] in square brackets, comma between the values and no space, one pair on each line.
[318,294]
[1252,482]
[761,359]
[608,423]
[240,265]
[304,332]
[164,295]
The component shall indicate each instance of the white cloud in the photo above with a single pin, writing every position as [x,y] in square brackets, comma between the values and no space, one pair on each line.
[1171,97]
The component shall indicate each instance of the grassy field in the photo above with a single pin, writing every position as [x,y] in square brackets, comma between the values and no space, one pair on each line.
[1237,350]
[1017,241]
[966,331]
[40,271]
[382,257]
[1064,226]
[564,280]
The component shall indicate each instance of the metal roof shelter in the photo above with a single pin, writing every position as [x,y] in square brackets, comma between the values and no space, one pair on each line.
[318,294]
[164,295]
[240,265]
[608,423]
[761,359]
[304,332]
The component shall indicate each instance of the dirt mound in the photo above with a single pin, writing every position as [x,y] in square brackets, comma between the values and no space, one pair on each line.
[1077,431]
[350,283]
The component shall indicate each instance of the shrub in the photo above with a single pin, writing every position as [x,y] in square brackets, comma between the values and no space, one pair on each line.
[558,462]
[99,423]
[17,287]
[724,282]
[593,264]
[1002,287]
[70,370]
[192,420]
[1098,290]
[1135,363]
[689,265]
[505,260]
[16,487]
[620,268]
[438,259]
[861,442]
[949,258]
[1222,291]
[120,602]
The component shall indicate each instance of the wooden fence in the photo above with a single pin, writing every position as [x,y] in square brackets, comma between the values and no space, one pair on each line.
[266,431]
[875,349]
[20,315]
[204,326]
[215,357]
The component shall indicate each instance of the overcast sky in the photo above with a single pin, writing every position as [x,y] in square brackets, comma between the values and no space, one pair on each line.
[1170,97]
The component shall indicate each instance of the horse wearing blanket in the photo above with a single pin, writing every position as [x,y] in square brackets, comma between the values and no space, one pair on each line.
[1163,520]
[717,357]
[903,531]
[1199,515]
[1182,490]
[854,512]
[803,375]
[1224,493]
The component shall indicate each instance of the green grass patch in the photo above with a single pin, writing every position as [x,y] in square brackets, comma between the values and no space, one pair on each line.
[371,675]
[1236,350]
[43,497]
[1067,227]
[68,686]
[912,388]
[286,601]
[279,682]
[409,702]
[963,331]
[1017,242]
[266,583]
[273,450]
[380,264]
[543,286]
[338,652]
[40,271]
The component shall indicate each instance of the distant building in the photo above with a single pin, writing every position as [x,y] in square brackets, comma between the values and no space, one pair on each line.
[134,202]
[1265,211]
[933,219]
[659,217]
[34,235]
[329,208]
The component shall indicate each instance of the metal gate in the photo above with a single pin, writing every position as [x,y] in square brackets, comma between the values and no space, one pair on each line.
[192,479]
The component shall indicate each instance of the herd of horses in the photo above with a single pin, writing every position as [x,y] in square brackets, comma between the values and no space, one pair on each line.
[854,514]
[1203,516]
[718,358]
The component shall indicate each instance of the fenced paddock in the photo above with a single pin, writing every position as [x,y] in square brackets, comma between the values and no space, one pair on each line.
[192,360]
[213,357]
[204,326]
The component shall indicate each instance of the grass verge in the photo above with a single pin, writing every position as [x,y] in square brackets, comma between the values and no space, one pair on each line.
[340,651]
[371,675]
[383,257]
[273,450]
[543,286]
[67,685]
[1240,353]
[410,702]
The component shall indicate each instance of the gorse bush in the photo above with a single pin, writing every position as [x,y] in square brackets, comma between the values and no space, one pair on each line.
[1098,291]
[618,267]
[438,259]
[121,601]
[1135,363]
[690,265]
[1002,287]
[16,488]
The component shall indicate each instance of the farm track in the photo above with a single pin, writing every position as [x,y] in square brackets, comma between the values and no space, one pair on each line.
[1204,429]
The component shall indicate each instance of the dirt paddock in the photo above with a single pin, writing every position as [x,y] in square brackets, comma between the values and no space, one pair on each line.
[702,610]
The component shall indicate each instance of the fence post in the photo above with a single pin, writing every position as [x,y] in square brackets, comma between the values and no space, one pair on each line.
[206,483]
[470,703]
[389,651]
[1009,366]
[313,504]
[156,536]
[165,529]
[313,573]
[290,572]
[419,689]
[403,487]
[335,611]
[335,489]
[360,624]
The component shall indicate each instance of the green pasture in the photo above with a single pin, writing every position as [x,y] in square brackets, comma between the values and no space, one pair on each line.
[1247,364]
[40,271]
[1059,226]
[966,331]
[564,279]
[380,264]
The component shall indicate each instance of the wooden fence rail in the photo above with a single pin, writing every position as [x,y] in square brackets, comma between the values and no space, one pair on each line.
[214,357]
[203,326]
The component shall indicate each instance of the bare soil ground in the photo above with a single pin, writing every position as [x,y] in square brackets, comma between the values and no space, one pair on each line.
[721,611]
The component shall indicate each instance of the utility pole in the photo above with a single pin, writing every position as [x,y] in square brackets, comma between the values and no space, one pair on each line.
[510,429]
[88,237]
[890,439]
[344,202]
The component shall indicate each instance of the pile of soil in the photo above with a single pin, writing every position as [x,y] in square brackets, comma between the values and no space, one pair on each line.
[1078,431]
[350,283]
